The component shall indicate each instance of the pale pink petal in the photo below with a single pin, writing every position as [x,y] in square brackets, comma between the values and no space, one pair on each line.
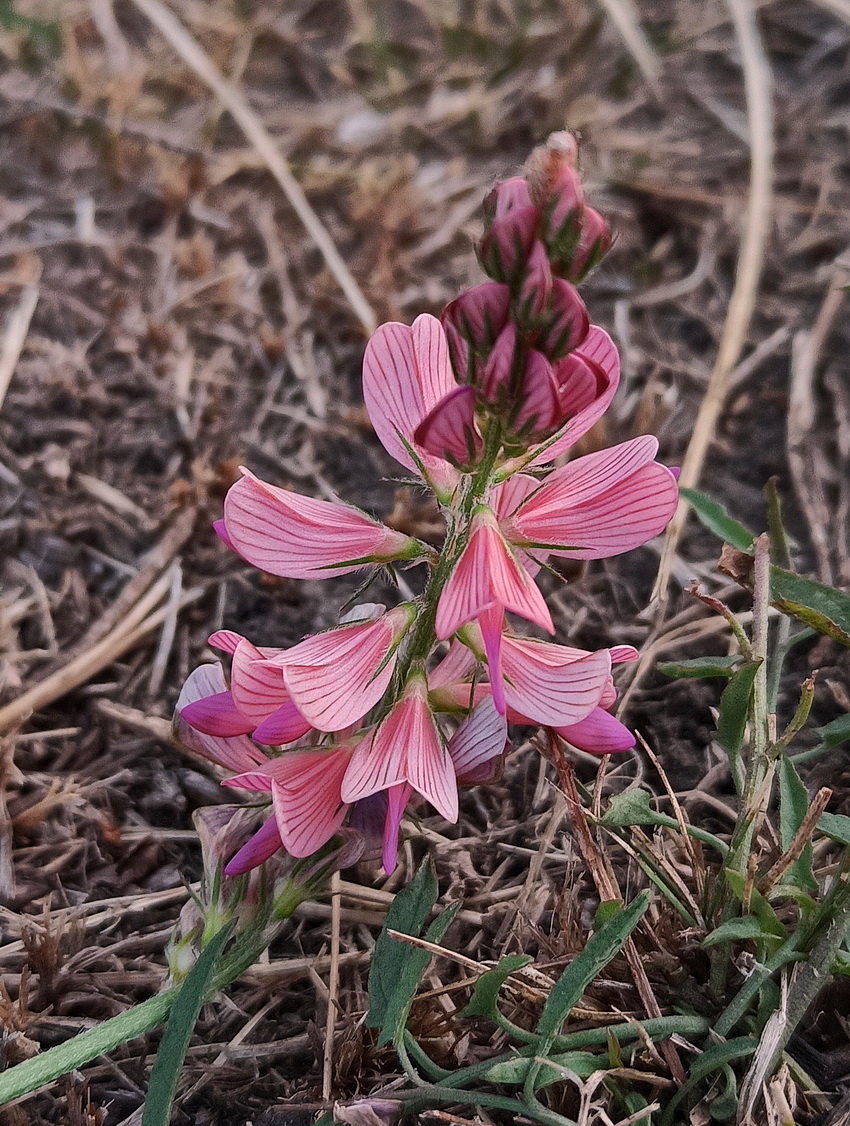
[225,639]
[449,429]
[457,666]
[233,752]
[621,653]
[406,372]
[283,726]
[257,684]
[600,349]
[548,694]
[217,715]
[617,520]
[300,537]
[487,574]
[478,743]
[600,733]
[373,769]
[492,622]
[587,477]
[263,844]
[505,498]
[430,769]
[256,780]
[397,799]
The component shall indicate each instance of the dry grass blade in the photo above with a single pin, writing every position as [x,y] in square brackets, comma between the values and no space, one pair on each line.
[758,84]
[333,989]
[17,328]
[234,101]
[624,15]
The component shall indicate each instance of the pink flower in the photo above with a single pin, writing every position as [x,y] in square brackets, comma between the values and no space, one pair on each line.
[472,322]
[406,747]
[597,506]
[306,795]
[477,747]
[336,677]
[599,733]
[488,576]
[235,751]
[550,684]
[449,430]
[406,373]
[300,537]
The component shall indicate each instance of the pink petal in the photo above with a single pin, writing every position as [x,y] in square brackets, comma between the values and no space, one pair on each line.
[599,733]
[455,667]
[307,800]
[406,372]
[621,653]
[225,639]
[548,694]
[283,726]
[397,799]
[257,684]
[300,537]
[491,623]
[599,348]
[263,844]
[217,715]
[233,752]
[539,405]
[505,498]
[487,574]
[479,740]
[449,429]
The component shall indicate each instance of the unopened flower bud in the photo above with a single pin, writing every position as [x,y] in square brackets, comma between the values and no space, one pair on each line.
[536,285]
[499,368]
[567,324]
[538,409]
[593,244]
[555,188]
[512,221]
[472,322]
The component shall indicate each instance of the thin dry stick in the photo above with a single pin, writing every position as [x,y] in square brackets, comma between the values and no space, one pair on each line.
[234,101]
[624,16]
[333,988]
[799,841]
[114,645]
[757,83]
[17,329]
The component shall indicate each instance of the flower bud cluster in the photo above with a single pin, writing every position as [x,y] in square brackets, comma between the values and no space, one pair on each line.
[400,705]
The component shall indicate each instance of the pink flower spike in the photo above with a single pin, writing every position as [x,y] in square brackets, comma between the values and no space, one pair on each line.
[449,430]
[300,537]
[488,574]
[478,744]
[263,844]
[599,733]
[336,677]
[552,694]
[406,372]
[598,506]
[232,752]
[588,379]
[217,715]
[406,747]
[397,799]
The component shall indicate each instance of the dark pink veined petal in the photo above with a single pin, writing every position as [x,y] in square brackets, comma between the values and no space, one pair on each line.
[456,667]
[548,694]
[217,715]
[621,653]
[449,429]
[406,372]
[283,726]
[505,498]
[587,477]
[256,683]
[492,623]
[487,574]
[263,844]
[300,537]
[600,349]
[224,639]
[617,520]
[406,747]
[599,733]
[306,797]
[397,799]
[478,743]
[235,752]
[539,405]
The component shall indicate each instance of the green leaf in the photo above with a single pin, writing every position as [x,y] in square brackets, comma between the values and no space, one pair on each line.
[396,966]
[485,995]
[715,517]
[747,927]
[601,947]
[735,708]
[793,807]
[836,827]
[178,1033]
[514,1072]
[820,606]
[759,906]
[836,733]
[700,667]
[709,1061]
[633,807]
[606,910]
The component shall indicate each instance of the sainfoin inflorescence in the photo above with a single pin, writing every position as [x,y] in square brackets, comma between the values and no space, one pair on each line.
[409,702]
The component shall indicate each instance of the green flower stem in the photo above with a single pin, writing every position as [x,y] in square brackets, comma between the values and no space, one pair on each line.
[535,1111]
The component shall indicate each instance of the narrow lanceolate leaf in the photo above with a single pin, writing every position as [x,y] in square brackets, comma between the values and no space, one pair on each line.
[822,607]
[178,1033]
[485,995]
[836,733]
[700,667]
[735,930]
[793,807]
[734,708]
[601,947]
[715,517]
